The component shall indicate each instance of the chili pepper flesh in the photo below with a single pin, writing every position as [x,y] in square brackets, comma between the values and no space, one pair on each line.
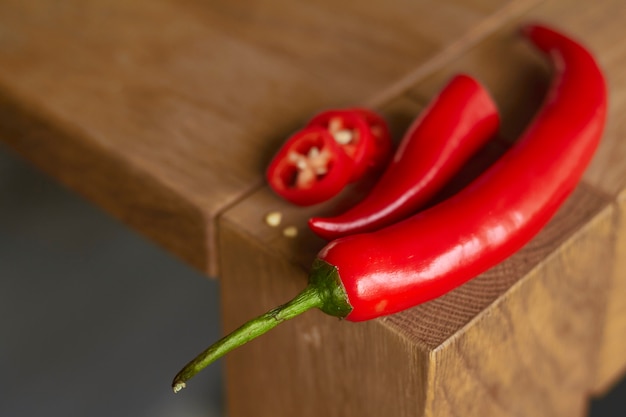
[310,168]
[361,133]
[335,148]
[381,151]
[368,275]
[351,133]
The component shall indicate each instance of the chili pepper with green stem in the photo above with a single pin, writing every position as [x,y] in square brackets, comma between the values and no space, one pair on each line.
[369,275]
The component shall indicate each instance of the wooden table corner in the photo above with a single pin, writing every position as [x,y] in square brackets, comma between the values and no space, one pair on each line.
[165,114]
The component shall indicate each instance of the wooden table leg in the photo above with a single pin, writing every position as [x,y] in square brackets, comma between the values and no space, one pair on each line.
[521,339]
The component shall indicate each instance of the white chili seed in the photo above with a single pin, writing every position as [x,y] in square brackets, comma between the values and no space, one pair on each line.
[294,156]
[343,137]
[314,152]
[273,218]
[301,164]
[290,231]
[335,124]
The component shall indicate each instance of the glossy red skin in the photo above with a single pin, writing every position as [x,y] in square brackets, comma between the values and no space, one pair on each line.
[431,253]
[456,124]
[365,150]
[281,168]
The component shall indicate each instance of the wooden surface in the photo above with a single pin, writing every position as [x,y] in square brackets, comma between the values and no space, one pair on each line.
[188,100]
[165,114]
[607,173]
[534,336]
[518,340]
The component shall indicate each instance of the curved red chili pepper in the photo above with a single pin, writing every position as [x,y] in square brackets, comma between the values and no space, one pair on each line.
[369,275]
[456,124]
[437,250]
[309,168]
[351,128]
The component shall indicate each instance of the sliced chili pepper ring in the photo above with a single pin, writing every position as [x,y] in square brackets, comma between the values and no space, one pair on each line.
[311,167]
[352,133]
[380,133]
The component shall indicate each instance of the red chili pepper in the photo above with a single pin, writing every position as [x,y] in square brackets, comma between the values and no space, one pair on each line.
[456,124]
[310,167]
[369,275]
[362,134]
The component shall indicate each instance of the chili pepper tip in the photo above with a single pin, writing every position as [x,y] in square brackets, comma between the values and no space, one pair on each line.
[177,386]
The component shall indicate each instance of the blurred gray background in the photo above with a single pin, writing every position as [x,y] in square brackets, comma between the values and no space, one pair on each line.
[95,320]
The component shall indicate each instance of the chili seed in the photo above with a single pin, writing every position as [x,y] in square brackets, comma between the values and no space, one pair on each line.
[343,137]
[314,152]
[301,164]
[335,124]
[290,231]
[273,218]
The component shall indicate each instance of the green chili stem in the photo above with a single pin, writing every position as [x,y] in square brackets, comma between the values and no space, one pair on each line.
[309,298]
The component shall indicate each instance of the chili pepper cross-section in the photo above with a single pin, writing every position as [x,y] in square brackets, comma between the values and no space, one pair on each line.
[310,168]
[335,148]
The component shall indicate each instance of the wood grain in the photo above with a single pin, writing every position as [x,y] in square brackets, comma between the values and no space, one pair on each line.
[522,338]
[191,98]
[126,192]
[516,76]
[504,62]
[612,356]
[482,341]
[538,313]
[314,364]
[166,113]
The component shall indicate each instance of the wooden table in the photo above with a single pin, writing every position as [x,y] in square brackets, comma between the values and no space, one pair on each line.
[165,114]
